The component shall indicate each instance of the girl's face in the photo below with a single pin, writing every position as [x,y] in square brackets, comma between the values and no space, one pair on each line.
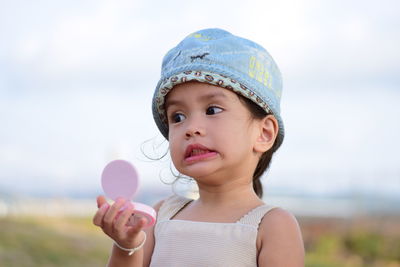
[211,133]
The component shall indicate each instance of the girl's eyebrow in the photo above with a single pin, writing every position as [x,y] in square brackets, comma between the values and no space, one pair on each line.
[206,97]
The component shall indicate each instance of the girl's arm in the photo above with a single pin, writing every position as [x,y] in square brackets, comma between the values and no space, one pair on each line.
[280,240]
[128,237]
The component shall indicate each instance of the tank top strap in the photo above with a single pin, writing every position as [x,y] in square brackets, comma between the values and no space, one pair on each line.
[255,216]
[171,206]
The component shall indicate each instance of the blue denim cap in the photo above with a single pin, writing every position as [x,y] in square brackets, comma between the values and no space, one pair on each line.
[220,58]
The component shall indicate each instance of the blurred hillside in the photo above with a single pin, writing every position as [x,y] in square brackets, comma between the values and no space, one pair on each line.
[74,241]
[345,205]
[339,230]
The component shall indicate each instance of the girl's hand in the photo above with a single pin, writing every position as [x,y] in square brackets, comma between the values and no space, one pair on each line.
[113,223]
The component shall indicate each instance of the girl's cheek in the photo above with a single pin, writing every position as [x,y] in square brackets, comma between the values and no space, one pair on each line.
[174,152]
[172,136]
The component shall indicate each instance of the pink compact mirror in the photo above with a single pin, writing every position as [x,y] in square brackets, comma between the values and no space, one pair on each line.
[120,180]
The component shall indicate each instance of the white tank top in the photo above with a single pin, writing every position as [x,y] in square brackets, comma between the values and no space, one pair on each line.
[184,243]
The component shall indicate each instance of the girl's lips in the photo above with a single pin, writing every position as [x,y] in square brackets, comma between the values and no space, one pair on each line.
[199,157]
[198,152]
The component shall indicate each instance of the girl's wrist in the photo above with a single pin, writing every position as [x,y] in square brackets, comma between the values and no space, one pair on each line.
[132,249]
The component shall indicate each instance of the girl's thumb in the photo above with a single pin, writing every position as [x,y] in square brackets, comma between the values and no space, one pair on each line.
[100,201]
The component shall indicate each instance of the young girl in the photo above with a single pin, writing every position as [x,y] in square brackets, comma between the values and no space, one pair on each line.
[217,103]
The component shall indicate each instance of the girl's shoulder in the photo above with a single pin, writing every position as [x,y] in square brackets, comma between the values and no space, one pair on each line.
[279,237]
[278,214]
[170,200]
[169,206]
[278,219]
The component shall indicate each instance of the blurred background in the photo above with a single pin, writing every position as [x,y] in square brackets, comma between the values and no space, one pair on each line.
[76,83]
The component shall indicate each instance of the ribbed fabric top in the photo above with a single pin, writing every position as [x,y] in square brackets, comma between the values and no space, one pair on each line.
[190,243]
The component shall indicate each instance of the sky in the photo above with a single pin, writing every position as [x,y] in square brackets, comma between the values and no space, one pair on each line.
[77,78]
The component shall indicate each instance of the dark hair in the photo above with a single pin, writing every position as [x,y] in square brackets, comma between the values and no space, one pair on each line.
[258,113]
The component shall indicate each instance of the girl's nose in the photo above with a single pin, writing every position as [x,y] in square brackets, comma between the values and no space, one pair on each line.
[192,133]
[194,130]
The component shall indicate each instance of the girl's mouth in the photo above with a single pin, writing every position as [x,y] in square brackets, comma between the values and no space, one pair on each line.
[198,152]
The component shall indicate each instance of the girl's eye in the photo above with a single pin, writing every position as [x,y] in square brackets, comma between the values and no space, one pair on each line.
[178,117]
[213,110]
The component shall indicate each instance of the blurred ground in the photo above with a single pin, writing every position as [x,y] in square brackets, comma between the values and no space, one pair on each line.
[74,241]
[352,242]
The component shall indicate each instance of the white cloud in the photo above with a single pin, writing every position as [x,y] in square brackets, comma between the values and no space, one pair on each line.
[77,79]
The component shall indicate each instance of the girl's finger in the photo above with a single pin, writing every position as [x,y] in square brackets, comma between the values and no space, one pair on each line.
[100,201]
[110,215]
[98,217]
[136,228]
[120,223]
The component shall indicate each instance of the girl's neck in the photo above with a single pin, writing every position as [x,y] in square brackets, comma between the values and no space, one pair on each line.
[227,196]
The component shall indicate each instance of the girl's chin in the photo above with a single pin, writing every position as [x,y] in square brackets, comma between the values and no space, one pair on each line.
[198,172]
[198,167]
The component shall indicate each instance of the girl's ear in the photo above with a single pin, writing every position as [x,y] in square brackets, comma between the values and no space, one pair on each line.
[267,133]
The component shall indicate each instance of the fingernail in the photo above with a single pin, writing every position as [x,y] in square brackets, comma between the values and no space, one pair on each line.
[104,206]
[120,200]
